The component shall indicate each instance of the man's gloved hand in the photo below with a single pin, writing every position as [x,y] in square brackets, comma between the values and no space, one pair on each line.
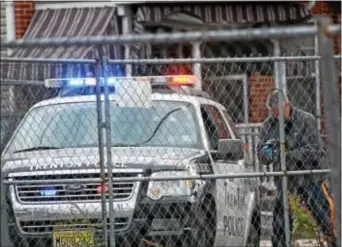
[268,151]
[271,154]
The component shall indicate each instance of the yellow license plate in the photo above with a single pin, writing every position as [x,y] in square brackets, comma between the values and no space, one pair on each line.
[73,239]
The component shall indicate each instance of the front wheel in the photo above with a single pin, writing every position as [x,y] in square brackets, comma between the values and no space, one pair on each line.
[253,239]
[203,225]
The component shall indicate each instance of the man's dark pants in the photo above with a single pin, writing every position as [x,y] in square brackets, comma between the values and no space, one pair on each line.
[320,204]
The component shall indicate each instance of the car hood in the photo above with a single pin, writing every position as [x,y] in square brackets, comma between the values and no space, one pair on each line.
[88,158]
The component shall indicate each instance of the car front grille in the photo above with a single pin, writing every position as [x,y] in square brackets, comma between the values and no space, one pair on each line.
[88,191]
[48,226]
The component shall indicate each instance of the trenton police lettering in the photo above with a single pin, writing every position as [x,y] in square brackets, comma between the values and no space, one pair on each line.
[234,225]
[234,201]
[56,166]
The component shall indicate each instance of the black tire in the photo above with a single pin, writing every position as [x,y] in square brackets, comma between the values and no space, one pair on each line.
[253,239]
[203,223]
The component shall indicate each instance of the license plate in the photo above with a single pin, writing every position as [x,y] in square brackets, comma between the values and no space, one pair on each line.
[73,239]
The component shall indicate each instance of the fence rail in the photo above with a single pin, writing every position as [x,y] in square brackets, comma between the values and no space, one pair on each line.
[167,60]
[242,34]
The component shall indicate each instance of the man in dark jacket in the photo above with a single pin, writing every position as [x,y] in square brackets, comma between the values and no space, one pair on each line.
[304,151]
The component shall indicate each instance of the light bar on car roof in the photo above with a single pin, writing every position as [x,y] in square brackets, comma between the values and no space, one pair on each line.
[128,91]
[174,81]
[81,82]
[171,81]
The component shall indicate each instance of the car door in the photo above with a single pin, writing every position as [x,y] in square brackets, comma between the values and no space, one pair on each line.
[250,187]
[231,221]
[251,184]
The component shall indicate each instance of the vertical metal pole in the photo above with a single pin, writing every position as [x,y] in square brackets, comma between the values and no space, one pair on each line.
[333,122]
[10,33]
[10,23]
[280,86]
[245,99]
[279,68]
[318,84]
[197,67]
[248,137]
[127,29]
[101,152]
[109,152]
[283,168]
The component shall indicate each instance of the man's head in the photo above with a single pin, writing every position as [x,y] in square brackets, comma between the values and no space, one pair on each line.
[273,104]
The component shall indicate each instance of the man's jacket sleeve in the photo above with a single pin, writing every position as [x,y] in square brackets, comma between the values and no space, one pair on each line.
[310,147]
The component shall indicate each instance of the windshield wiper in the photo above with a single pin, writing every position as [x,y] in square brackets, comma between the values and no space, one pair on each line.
[123,145]
[36,148]
[153,133]
[162,120]
[158,126]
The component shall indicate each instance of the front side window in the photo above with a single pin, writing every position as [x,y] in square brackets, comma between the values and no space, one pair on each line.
[166,124]
[214,124]
[230,122]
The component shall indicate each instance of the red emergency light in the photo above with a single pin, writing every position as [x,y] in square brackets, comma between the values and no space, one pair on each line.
[182,80]
[102,189]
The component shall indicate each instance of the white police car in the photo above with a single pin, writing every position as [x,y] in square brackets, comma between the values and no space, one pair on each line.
[159,131]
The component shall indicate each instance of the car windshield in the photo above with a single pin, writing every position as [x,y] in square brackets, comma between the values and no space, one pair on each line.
[166,124]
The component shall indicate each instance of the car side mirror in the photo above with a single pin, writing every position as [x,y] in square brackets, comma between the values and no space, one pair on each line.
[231,149]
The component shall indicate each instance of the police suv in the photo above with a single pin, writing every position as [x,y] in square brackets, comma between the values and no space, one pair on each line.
[159,127]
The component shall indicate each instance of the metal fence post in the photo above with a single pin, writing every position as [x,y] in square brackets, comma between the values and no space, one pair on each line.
[101,151]
[333,123]
[197,67]
[283,168]
[279,68]
[280,83]
[109,151]
[280,86]
[318,83]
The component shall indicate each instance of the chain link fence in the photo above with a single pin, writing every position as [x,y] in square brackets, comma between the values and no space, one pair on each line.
[132,161]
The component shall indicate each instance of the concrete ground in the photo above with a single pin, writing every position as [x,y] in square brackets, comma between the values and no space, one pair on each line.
[298,243]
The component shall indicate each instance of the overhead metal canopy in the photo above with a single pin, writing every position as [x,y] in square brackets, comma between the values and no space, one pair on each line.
[74,22]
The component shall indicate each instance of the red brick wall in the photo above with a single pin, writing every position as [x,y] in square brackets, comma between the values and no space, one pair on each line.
[322,8]
[259,86]
[24,11]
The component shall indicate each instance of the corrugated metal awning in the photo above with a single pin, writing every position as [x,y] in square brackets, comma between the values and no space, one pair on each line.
[228,15]
[238,13]
[73,22]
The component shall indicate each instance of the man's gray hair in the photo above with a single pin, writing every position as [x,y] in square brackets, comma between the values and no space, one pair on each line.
[273,98]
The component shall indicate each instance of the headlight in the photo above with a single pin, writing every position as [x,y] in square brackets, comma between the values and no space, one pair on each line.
[158,189]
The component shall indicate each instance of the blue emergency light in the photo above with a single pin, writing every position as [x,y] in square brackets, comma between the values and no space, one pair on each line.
[48,191]
[81,82]
[75,82]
